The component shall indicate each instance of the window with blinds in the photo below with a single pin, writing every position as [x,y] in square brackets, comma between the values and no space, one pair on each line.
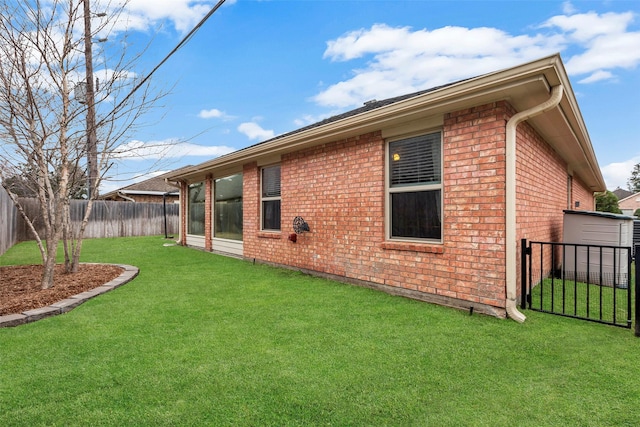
[415,188]
[271,181]
[270,197]
[415,160]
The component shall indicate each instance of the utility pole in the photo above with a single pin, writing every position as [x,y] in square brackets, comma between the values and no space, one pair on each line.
[92,139]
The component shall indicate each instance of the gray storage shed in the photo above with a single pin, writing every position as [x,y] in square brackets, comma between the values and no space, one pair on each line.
[598,258]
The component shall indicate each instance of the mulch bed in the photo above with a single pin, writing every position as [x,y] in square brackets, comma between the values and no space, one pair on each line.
[20,285]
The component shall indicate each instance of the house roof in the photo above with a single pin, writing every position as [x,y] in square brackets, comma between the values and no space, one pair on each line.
[622,193]
[629,197]
[156,186]
[524,86]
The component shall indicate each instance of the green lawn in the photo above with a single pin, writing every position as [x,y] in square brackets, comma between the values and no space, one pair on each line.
[574,298]
[199,339]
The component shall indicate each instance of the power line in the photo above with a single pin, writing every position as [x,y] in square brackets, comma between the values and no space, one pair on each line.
[183,42]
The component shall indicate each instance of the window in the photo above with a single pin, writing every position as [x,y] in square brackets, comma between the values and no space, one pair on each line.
[195,223]
[228,207]
[415,188]
[271,198]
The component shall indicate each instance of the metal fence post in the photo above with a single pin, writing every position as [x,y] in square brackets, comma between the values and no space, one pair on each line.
[637,291]
[523,273]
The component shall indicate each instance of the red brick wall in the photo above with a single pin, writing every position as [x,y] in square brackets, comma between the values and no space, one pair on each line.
[474,177]
[251,211]
[339,189]
[583,194]
[632,203]
[541,187]
[542,196]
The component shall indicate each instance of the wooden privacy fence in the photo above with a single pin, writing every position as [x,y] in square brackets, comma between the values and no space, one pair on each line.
[8,222]
[110,219]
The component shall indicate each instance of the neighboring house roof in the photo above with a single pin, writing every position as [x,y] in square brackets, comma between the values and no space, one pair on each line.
[622,194]
[156,186]
[630,202]
[523,86]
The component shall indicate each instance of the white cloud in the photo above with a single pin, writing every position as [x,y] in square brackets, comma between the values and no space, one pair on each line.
[597,76]
[139,150]
[610,52]
[214,113]
[405,60]
[583,27]
[568,8]
[401,60]
[253,131]
[143,15]
[617,174]
[605,40]
[183,13]
[146,176]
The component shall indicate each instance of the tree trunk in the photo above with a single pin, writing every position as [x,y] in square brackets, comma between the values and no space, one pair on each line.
[67,234]
[78,243]
[50,261]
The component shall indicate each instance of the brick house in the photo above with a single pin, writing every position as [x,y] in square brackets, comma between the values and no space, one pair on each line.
[621,193]
[424,195]
[630,204]
[152,190]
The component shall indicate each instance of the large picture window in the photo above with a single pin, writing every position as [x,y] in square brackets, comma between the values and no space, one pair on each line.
[228,207]
[415,188]
[271,198]
[195,224]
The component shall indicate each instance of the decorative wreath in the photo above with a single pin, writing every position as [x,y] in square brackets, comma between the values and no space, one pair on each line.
[299,225]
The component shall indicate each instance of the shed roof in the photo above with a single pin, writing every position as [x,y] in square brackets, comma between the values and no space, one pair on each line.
[599,214]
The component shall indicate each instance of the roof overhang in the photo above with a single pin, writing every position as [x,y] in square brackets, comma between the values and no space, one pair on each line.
[523,87]
[148,192]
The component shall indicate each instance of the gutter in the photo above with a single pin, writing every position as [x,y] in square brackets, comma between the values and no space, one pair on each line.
[146,192]
[510,235]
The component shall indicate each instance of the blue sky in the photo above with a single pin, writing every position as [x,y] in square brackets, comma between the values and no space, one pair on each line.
[257,69]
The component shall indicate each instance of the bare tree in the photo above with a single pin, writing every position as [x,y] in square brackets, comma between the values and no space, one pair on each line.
[55,109]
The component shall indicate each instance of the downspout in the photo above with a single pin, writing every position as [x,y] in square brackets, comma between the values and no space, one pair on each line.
[510,235]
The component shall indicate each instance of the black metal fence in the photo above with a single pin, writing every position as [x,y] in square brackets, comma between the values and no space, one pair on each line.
[589,282]
[636,236]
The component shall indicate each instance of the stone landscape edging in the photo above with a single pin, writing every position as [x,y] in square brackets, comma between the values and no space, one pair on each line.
[68,304]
